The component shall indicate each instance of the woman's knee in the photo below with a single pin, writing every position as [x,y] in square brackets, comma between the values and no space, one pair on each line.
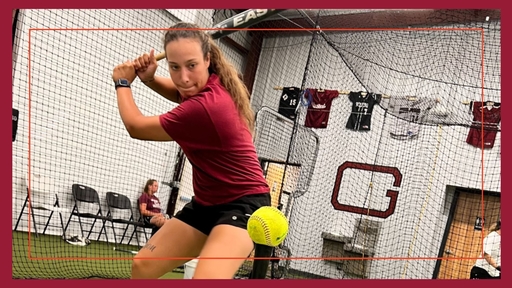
[217,269]
[148,268]
[158,220]
[140,267]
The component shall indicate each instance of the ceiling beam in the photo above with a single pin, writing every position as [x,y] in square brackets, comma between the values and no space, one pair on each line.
[235,45]
[386,19]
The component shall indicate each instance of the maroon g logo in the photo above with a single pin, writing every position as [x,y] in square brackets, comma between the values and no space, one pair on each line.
[392,194]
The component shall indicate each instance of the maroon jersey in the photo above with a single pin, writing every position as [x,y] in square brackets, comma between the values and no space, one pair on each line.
[319,107]
[492,117]
[152,203]
[218,144]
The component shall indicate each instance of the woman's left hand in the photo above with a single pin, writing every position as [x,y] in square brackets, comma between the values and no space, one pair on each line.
[124,71]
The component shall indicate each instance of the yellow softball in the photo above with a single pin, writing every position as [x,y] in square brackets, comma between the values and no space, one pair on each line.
[267,226]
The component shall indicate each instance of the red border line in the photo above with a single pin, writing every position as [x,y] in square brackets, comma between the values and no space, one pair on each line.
[249,29]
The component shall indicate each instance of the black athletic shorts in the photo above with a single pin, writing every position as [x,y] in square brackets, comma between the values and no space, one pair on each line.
[147,222]
[235,213]
[480,273]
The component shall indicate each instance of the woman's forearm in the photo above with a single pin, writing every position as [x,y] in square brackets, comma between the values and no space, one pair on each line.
[149,213]
[128,110]
[490,260]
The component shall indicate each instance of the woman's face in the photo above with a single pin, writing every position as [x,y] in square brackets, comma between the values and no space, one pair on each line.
[153,187]
[187,65]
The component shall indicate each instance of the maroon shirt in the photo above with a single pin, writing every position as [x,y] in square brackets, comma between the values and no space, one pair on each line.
[218,144]
[492,118]
[152,203]
[319,108]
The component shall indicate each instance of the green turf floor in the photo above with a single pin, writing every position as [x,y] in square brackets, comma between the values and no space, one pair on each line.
[53,258]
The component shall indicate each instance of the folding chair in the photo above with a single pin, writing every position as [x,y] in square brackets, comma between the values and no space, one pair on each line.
[116,201]
[87,195]
[42,195]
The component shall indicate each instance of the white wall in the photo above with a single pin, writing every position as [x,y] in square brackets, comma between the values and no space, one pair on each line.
[445,65]
[76,134]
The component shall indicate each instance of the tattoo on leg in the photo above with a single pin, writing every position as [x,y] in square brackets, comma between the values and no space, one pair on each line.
[149,246]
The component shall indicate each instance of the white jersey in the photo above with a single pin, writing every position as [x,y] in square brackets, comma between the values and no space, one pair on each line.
[408,111]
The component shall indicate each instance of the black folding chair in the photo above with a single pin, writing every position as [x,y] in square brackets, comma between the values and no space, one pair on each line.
[87,195]
[43,196]
[117,204]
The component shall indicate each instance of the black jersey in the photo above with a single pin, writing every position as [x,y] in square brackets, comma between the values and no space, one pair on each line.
[289,101]
[362,108]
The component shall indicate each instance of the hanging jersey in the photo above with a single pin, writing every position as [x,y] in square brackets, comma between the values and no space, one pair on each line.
[289,101]
[320,102]
[408,112]
[492,117]
[362,108]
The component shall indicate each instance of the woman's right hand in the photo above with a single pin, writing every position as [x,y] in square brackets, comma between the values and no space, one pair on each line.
[157,220]
[145,66]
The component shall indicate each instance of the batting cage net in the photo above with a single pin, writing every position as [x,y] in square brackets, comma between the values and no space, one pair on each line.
[378,132]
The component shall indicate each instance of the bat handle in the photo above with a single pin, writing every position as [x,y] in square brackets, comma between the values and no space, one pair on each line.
[160,56]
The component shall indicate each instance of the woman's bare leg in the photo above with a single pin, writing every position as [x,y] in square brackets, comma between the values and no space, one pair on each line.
[225,241]
[174,239]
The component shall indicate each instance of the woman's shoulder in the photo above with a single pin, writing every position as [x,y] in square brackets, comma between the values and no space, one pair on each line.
[214,85]
[493,235]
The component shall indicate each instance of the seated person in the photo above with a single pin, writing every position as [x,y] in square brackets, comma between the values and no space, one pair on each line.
[149,206]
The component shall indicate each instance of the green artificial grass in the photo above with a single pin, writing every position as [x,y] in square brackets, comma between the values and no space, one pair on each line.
[53,258]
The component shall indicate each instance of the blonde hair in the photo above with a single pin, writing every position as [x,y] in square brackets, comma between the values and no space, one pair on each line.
[228,76]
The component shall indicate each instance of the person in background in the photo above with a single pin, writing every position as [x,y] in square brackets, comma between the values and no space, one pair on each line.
[489,267]
[150,208]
